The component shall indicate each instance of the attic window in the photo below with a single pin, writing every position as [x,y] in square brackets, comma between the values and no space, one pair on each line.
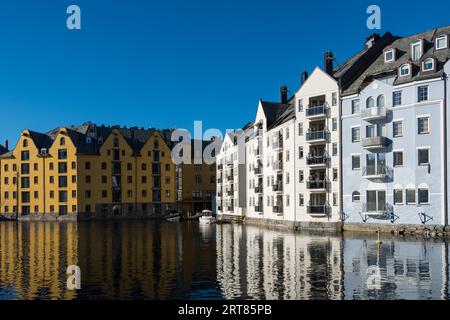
[405,70]
[389,56]
[441,42]
[88,140]
[428,64]
[416,50]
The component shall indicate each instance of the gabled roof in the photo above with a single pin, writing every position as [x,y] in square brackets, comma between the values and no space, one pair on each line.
[287,115]
[41,140]
[273,111]
[3,150]
[402,48]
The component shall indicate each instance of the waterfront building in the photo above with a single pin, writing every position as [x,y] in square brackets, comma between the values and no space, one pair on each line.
[87,171]
[395,136]
[231,176]
[195,179]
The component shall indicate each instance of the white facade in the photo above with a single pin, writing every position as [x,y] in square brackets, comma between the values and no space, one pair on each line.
[317,149]
[231,176]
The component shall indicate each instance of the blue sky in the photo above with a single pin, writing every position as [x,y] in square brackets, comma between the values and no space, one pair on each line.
[167,63]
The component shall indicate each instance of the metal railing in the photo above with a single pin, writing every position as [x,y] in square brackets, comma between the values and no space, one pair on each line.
[318,208]
[314,184]
[313,111]
[317,135]
[316,160]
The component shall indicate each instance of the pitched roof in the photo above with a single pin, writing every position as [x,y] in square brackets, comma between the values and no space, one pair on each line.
[273,111]
[287,115]
[3,150]
[402,47]
[41,140]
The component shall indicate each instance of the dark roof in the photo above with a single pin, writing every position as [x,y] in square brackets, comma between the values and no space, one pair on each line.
[273,111]
[3,150]
[402,47]
[287,115]
[41,140]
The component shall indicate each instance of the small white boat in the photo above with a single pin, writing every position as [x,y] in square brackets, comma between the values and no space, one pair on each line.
[207,217]
[174,217]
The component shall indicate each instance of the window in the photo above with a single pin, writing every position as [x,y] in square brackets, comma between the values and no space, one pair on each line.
[335,174]
[410,196]
[423,195]
[423,125]
[335,149]
[334,99]
[355,106]
[25,143]
[62,167]
[103,165]
[356,162]
[287,200]
[300,105]
[334,124]
[380,101]
[398,197]
[87,165]
[405,70]
[301,200]
[397,128]
[300,129]
[356,134]
[370,102]
[25,155]
[287,177]
[428,64]
[396,98]
[398,158]
[301,176]
[88,179]
[62,154]
[300,152]
[287,155]
[335,201]
[416,50]
[441,42]
[356,196]
[389,55]
[129,166]
[423,156]
[422,93]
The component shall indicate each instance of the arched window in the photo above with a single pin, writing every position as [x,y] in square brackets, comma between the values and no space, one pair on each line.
[25,143]
[116,142]
[370,102]
[380,101]
[428,64]
[156,144]
[356,196]
[423,193]
[62,141]
[405,70]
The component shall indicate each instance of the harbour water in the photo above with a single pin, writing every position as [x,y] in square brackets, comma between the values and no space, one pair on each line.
[167,260]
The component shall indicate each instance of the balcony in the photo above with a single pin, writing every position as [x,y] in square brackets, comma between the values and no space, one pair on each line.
[318,209]
[219,180]
[376,172]
[376,209]
[220,167]
[277,144]
[258,170]
[219,208]
[259,208]
[320,136]
[230,193]
[230,178]
[373,114]
[277,165]
[277,187]
[317,112]
[230,208]
[220,194]
[375,142]
[317,161]
[257,152]
[277,209]
[259,189]
[317,185]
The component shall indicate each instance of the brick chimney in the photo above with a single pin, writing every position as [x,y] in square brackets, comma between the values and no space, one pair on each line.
[328,62]
[304,77]
[283,94]
[372,39]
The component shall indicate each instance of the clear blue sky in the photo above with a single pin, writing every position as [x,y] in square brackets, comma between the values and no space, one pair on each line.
[170,62]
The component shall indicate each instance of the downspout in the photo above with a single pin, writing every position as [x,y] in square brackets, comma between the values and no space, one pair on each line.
[295,172]
[341,157]
[445,79]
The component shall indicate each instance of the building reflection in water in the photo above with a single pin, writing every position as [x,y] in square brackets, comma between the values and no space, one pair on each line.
[255,263]
[151,260]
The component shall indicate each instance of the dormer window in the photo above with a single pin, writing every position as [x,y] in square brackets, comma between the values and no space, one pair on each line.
[428,64]
[405,70]
[416,50]
[441,42]
[389,56]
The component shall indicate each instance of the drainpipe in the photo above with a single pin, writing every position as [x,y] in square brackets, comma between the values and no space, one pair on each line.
[445,79]
[341,157]
[294,133]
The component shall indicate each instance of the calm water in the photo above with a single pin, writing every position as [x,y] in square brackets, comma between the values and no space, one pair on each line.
[150,260]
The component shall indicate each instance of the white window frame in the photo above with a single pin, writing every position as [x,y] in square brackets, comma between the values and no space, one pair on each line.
[420,43]
[400,70]
[403,158]
[425,116]
[393,197]
[386,53]
[351,133]
[356,155]
[432,64]
[393,131]
[428,148]
[445,37]
[406,197]
[418,198]
[353,196]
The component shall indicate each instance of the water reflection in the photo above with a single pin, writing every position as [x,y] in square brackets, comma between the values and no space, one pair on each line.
[150,260]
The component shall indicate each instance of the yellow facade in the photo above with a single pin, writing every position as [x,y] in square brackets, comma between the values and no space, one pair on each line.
[70,174]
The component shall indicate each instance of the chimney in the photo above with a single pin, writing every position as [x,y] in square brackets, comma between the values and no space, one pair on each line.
[6,144]
[371,40]
[328,62]
[283,94]
[304,77]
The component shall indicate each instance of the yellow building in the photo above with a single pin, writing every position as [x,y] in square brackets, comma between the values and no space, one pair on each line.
[87,171]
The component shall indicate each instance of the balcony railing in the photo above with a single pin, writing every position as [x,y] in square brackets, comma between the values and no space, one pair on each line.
[219,194]
[220,167]
[230,178]
[316,160]
[230,208]
[374,113]
[318,209]
[277,209]
[313,184]
[257,152]
[230,193]
[375,142]
[219,180]
[259,208]
[377,172]
[257,170]
[277,144]
[317,111]
[321,135]
[259,189]
[278,186]
[277,165]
